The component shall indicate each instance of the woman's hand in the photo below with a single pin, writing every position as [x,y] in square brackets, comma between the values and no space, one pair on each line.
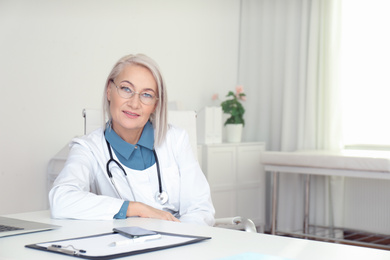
[142,210]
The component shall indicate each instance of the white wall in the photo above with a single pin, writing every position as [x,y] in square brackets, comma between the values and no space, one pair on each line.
[55,56]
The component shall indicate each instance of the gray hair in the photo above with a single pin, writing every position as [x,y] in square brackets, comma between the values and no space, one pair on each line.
[159,117]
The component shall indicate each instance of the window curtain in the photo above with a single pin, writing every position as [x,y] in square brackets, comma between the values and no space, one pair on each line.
[288,63]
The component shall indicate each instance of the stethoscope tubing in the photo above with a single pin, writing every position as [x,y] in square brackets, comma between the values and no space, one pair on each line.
[161,197]
[158,172]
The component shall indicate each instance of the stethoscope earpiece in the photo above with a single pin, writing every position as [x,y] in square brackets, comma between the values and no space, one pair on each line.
[161,196]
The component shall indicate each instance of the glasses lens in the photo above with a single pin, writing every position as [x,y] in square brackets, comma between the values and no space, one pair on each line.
[147,98]
[125,91]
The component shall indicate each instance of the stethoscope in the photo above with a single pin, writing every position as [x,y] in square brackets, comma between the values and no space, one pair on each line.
[161,196]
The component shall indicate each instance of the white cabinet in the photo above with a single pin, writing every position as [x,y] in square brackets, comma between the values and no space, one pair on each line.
[236,178]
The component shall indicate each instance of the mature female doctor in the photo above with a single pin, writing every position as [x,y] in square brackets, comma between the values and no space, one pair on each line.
[137,165]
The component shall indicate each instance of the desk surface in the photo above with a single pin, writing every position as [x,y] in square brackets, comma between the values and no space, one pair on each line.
[224,243]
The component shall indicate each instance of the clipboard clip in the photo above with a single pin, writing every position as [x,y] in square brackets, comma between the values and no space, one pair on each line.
[69,250]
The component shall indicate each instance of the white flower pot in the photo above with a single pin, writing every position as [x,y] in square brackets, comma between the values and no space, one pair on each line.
[233,133]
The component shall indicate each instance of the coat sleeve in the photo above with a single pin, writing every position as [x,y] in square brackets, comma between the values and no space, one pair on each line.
[76,192]
[195,200]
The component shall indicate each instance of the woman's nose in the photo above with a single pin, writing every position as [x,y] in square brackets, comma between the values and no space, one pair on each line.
[134,101]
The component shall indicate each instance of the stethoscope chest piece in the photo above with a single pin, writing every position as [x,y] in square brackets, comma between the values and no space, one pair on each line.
[161,197]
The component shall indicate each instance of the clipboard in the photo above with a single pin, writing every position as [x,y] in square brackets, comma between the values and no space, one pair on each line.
[100,246]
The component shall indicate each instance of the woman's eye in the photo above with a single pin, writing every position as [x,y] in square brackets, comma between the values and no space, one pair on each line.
[147,95]
[126,89]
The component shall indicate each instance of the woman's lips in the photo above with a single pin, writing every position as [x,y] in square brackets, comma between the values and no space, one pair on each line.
[130,114]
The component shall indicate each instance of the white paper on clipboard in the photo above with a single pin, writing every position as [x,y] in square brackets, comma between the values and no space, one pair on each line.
[100,246]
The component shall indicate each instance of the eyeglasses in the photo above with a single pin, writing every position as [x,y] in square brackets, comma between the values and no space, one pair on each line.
[125,90]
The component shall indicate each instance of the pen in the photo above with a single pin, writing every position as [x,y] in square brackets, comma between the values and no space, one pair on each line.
[135,240]
[66,250]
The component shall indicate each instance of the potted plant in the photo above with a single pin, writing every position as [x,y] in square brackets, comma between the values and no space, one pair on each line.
[234,108]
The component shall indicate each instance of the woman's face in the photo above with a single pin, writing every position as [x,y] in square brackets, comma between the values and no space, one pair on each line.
[129,115]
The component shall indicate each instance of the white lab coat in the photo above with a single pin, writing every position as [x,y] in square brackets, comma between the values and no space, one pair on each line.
[83,190]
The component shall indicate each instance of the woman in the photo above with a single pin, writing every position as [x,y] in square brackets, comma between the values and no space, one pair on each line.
[136,165]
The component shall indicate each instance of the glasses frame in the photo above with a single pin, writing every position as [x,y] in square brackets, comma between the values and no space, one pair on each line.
[155,98]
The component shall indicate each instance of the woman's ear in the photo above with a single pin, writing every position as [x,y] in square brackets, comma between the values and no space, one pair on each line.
[155,107]
[108,92]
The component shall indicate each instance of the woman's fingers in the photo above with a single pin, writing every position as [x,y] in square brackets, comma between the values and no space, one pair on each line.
[146,211]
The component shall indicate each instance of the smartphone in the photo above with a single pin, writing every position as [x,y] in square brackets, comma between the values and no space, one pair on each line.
[134,232]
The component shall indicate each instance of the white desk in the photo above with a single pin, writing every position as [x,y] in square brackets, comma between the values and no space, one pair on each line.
[224,242]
